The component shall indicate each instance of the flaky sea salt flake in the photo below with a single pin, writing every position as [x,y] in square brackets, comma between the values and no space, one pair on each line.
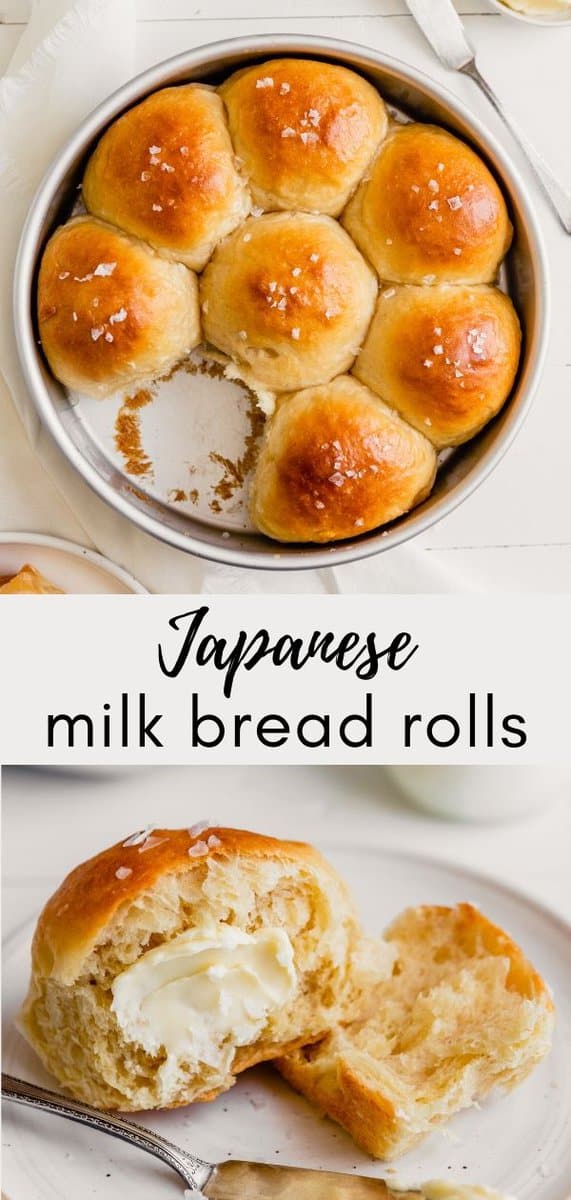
[123,872]
[105,268]
[136,839]
[198,850]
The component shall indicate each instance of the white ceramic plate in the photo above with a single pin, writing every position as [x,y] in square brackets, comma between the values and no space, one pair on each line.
[553,18]
[520,1143]
[73,568]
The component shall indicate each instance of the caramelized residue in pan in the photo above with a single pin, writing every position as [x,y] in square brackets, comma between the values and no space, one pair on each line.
[234,473]
[128,434]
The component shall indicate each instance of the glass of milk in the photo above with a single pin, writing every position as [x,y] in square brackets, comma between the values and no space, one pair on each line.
[484,793]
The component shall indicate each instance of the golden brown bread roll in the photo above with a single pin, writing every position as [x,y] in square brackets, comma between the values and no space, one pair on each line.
[175,959]
[430,210]
[335,463]
[28,581]
[304,130]
[289,298]
[110,310]
[444,357]
[165,171]
[463,1012]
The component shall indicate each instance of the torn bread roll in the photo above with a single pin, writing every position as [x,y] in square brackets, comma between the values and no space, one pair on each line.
[174,960]
[463,1012]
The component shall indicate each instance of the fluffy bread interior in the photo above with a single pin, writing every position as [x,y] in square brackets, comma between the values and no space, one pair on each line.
[462,1013]
[100,922]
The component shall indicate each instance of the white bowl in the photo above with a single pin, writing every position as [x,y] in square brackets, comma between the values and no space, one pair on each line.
[555,18]
[481,793]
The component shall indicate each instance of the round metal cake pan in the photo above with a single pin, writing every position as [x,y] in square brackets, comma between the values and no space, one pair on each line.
[464,470]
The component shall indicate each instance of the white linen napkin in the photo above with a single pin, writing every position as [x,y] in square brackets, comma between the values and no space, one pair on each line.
[71,56]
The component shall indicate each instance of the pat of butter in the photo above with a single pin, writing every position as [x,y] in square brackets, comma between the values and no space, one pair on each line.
[205,992]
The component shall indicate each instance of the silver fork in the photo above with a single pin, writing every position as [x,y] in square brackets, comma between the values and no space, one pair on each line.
[445,32]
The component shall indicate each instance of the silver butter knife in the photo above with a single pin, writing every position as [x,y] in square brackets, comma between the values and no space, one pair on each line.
[222,1181]
[445,32]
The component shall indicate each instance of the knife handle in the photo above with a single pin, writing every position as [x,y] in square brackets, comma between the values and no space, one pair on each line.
[559,198]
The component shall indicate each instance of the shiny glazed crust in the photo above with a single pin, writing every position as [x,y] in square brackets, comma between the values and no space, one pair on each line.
[87,900]
[430,211]
[289,298]
[112,312]
[165,171]
[335,463]
[305,132]
[242,183]
[444,357]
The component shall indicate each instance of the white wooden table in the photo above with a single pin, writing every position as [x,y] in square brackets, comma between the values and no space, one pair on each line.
[53,820]
[515,532]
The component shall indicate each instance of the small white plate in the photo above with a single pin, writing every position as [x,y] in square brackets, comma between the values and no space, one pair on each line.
[549,19]
[72,568]
[519,1143]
